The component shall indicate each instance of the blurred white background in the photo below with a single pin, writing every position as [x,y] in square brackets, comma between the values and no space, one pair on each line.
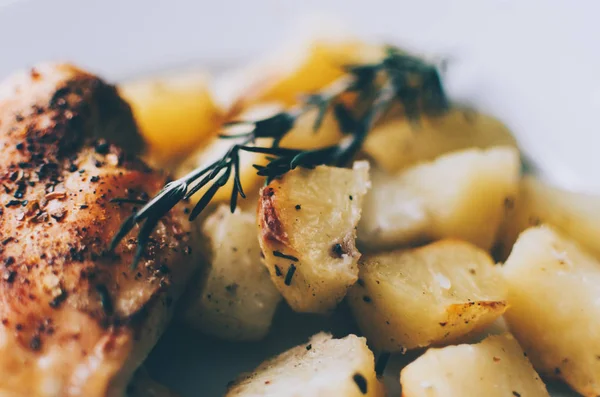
[532,63]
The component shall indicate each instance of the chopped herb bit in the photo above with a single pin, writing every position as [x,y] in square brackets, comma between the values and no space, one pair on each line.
[20,146]
[7,240]
[361,382]
[9,261]
[35,343]
[298,207]
[83,206]
[278,272]
[279,254]
[231,288]
[381,363]
[351,198]
[289,275]
[308,347]
[95,178]
[12,203]
[516,394]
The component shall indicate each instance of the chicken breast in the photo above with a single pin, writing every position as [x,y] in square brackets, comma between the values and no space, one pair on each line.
[76,320]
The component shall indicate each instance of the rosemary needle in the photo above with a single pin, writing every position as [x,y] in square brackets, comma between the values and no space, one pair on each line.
[399,78]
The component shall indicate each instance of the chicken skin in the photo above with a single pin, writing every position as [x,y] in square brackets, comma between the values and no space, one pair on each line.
[76,319]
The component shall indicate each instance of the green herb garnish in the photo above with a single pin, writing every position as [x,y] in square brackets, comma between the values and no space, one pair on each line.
[399,78]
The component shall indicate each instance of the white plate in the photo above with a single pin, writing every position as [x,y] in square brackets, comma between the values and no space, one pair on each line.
[532,63]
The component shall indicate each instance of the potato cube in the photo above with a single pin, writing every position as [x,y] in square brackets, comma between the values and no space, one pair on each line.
[431,295]
[307,229]
[495,367]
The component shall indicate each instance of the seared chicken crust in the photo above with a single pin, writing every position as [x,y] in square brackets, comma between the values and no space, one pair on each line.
[76,320]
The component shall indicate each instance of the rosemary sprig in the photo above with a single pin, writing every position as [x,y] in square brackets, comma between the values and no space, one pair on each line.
[398,78]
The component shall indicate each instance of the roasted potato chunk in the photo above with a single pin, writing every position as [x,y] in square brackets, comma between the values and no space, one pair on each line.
[574,214]
[235,298]
[398,143]
[461,195]
[175,114]
[323,367]
[287,76]
[431,295]
[307,221]
[554,295]
[495,367]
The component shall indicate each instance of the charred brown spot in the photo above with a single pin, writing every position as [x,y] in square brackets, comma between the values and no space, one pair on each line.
[271,226]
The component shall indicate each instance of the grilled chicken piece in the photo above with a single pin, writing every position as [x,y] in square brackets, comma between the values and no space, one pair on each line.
[74,319]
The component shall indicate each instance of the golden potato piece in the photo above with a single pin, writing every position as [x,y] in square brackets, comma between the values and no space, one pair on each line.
[431,295]
[460,195]
[554,296]
[175,113]
[495,367]
[323,367]
[291,74]
[307,222]
[574,214]
[235,298]
[397,143]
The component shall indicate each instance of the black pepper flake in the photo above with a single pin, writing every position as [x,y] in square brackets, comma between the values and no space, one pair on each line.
[83,206]
[367,299]
[279,254]
[9,276]
[289,275]
[95,178]
[308,347]
[24,202]
[360,282]
[361,382]
[73,168]
[443,324]
[337,250]
[9,261]
[35,343]
[54,303]
[19,118]
[105,299]
[20,146]
[187,250]
[278,272]
[231,288]
[381,363]
[516,394]
[298,207]
[23,164]
[12,203]
[7,240]
[351,198]
[102,147]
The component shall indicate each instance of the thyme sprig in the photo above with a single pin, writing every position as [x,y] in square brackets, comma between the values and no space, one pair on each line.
[399,78]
